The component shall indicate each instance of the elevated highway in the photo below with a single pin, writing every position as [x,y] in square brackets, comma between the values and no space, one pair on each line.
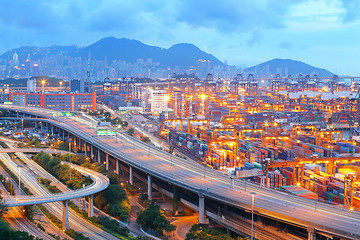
[207,185]
[100,182]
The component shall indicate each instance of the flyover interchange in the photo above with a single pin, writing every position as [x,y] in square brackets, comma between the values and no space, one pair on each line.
[206,183]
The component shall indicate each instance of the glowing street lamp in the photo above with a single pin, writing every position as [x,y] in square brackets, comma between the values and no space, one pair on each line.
[61,83]
[43,84]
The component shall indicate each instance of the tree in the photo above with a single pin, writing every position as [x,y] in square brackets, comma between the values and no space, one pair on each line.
[130,131]
[145,139]
[154,218]
[4,230]
[3,209]
[115,193]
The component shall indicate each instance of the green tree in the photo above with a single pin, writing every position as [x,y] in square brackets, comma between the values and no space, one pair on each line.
[154,218]
[130,131]
[4,230]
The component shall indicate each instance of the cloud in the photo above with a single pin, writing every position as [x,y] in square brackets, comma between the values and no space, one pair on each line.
[286,45]
[352,10]
[256,38]
[233,15]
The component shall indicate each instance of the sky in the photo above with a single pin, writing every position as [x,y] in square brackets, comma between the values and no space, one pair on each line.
[323,33]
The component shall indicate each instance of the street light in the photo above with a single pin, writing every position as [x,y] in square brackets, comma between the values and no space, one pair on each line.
[61,83]
[19,179]
[252,214]
[43,83]
[22,126]
[70,158]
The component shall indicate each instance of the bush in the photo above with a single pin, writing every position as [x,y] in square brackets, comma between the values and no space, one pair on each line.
[202,232]
[131,189]
[113,225]
[61,172]
[76,235]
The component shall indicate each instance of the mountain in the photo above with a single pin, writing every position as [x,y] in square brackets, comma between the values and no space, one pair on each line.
[110,48]
[181,55]
[287,67]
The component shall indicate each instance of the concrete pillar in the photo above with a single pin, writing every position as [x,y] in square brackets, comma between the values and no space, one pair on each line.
[92,152]
[131,178]
[52,130]
[99,156]
[175,200]
[149,188]
[42,126]
[117,166]
[85,148]
[107,161]
[17,114]
[311,233]
[91,206]
[201,209]
[63,138]
[65,217]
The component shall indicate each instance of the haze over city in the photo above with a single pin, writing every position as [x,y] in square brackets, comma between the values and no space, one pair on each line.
[244,33]
[180,120]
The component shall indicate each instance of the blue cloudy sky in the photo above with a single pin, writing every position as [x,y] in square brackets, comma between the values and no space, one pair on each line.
[324,33]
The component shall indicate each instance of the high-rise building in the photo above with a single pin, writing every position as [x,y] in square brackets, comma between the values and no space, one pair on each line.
[75,85]
[158,101]
[15,60]
[85,85]
[31,85]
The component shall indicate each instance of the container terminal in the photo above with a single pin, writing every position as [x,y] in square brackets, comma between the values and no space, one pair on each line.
[296,135]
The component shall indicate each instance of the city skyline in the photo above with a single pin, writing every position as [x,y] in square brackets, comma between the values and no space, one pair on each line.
[321,33]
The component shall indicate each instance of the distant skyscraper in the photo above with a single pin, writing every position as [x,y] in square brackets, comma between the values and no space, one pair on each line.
[85,85]
[31,84]
[15,61]
[75,85]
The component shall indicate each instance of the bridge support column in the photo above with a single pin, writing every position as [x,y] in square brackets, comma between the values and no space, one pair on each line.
[107,161]
[65,217]
[311,233]
[52,130]
[131,175]
[91,206]
[85,149]
[117,166]
[201,209]
[175,201]
[42,126]
[92,152]
[149,188]
[99,156]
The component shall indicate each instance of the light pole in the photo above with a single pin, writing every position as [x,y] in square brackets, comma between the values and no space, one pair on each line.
[61,83]
[4,188]
[43,84]
[252,214]
[10,186]
[22,126]
[70,158]
[19,178]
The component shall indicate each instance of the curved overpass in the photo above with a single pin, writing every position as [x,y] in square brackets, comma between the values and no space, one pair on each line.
[100,182]
[208,183]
